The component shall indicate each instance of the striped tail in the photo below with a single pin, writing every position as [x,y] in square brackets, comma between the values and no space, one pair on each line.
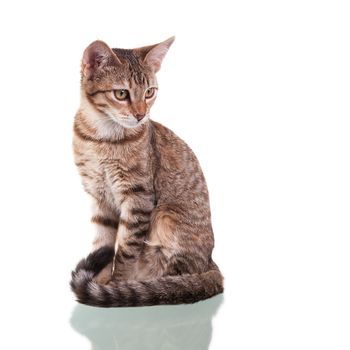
[174,289]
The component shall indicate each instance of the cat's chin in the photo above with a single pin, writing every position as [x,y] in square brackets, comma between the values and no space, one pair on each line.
[129,123]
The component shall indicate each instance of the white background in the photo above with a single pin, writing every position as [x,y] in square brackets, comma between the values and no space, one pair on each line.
[260,91]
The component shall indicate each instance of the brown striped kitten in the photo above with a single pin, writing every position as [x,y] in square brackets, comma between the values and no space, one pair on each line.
[151,209]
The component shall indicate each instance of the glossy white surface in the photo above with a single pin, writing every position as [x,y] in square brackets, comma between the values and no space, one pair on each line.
[260,90]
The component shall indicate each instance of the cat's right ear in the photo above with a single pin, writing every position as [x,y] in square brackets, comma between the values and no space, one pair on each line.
[96,56]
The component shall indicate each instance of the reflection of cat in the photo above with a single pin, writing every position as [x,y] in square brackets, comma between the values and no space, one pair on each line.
[185,327]
[151,208]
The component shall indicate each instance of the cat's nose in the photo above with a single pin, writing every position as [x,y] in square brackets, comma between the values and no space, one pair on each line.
[139,116]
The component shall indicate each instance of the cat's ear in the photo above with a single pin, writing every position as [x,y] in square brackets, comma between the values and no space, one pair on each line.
[156,53]
[96,56]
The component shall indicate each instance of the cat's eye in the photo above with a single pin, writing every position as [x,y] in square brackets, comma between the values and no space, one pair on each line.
[150,92]
[121,94]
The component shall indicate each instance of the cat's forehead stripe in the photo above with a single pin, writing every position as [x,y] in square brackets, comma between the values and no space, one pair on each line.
[137,74]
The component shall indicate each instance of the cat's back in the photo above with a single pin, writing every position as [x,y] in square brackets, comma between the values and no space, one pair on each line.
[168,143]
[178,173]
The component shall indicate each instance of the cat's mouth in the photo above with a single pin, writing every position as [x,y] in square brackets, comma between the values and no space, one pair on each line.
[129,121]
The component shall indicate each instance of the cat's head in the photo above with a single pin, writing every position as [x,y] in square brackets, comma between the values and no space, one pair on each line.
[121,83]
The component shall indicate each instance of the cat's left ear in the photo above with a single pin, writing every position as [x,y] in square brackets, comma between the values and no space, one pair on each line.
[156,53]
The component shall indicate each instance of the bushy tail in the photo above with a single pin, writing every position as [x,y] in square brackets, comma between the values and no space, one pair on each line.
[178,289]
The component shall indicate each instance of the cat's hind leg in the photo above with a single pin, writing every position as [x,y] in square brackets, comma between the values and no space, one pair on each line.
[97,264]
[105,275]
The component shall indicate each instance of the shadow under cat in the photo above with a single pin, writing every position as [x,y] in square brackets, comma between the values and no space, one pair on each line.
[182,327]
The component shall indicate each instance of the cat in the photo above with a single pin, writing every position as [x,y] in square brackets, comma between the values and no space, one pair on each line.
[151,208]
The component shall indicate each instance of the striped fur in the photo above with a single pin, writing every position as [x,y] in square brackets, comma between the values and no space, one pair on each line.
[171,289]
[151,208]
